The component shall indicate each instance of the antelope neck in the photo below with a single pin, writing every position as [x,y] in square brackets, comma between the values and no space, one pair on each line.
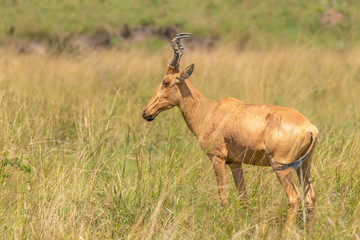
[195,107]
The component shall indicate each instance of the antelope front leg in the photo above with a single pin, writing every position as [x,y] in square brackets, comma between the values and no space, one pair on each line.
[219,166]
[238,176]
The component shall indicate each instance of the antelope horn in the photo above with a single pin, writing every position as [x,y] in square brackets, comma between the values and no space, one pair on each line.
[178,48]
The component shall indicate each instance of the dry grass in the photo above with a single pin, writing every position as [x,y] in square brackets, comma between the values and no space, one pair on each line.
[78,162]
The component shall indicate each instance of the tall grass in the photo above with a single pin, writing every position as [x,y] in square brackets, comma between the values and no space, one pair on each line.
[78,162]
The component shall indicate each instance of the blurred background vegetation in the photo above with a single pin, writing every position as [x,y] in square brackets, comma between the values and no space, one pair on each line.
[257,23]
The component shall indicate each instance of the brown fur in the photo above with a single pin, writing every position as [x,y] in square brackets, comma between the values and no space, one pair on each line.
[233,132]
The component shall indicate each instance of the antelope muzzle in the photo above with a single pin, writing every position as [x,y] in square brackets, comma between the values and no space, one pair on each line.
[147,117]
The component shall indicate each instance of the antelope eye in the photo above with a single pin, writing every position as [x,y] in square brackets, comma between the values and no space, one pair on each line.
[165,84]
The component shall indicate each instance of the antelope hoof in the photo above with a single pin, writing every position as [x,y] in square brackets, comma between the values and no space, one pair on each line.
[224,202]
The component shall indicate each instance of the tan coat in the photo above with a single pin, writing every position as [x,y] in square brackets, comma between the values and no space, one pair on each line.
[234,132]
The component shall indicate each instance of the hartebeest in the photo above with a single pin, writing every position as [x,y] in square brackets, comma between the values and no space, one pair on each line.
[234,132]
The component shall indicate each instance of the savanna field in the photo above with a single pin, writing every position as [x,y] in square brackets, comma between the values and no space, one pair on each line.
[79,162]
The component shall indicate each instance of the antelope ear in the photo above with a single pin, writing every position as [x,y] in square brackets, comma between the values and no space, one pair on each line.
[186,73]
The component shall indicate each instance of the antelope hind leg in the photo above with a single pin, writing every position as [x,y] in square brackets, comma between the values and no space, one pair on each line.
[286,180]
[309,193]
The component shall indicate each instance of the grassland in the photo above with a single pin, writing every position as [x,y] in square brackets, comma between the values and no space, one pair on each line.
[254,22]
[78,162]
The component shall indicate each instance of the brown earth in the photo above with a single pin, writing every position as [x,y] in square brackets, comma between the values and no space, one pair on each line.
[103,39]
[331,17]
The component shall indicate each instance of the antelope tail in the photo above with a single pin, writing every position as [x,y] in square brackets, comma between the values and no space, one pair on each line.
[295,165]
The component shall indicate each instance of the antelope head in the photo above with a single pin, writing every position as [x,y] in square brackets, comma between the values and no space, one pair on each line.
[168,94]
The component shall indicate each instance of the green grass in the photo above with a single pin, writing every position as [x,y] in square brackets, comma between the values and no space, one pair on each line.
[241,22]
[77,160]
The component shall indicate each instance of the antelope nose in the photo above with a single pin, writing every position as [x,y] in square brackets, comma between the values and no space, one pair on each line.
[148,117]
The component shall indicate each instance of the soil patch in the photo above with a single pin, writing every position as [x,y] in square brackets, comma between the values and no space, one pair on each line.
[103,39]
[331,17]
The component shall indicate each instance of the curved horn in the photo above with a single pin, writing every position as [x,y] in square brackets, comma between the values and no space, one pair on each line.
[178,48]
